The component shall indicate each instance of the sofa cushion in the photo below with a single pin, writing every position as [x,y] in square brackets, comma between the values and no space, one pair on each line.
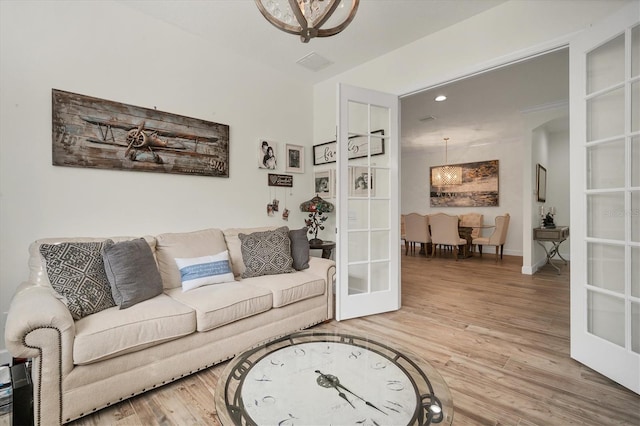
[299,248]
[233,245]
[221,304]
[76,272]
[114,332]
[290,288]
[185,245]
[132,272]
[266,253]
[198,271]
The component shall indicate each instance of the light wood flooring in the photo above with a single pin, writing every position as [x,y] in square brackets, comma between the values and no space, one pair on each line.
[500,339]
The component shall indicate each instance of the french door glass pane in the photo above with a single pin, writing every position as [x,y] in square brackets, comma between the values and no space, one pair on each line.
[635,51]
[605,317]
[358,118]
[635,327]
[635,106]
[380,276]
[635,271]
[605,115]
[603,165]
[358,213]
[380,214]
[635,216]
[605,215]
[381,182]
[605,266]
[635,161]
[380,245]
[358,279]
[358,243]
[605,65]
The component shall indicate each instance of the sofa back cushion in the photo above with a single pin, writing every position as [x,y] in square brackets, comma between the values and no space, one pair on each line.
[234,246]
[172,246]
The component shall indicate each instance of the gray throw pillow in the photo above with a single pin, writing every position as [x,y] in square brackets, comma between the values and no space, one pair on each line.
[266,253]
[132,272]
[299,248]
[76,272]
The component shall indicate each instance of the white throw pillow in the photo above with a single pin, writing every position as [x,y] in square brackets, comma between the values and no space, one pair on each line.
[198,271]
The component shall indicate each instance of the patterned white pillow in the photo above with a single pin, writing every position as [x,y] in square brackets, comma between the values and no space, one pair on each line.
[266,253]
[198,271]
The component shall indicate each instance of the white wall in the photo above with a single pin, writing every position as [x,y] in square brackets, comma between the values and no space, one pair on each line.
[107,50]
[511,31]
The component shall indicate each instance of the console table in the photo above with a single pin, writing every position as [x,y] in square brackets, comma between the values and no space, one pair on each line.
[555,236]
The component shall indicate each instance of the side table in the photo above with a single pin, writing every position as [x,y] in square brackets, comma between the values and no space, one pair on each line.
[555,236]
[326,247]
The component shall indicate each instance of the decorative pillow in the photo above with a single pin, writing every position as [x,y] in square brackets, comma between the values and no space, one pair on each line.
[76,272]
[198,271]
[299,248]
[266,253]
[131,271]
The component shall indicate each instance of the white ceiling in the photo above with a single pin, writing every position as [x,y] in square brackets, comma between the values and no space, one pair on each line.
[482,109]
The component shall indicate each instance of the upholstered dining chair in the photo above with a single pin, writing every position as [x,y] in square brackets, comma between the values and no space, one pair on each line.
[444,232]
[497,238]
[403,230]
[416,231]
[473,221]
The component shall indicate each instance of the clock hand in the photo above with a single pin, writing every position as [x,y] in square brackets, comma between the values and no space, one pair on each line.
[361,398]
[328,380]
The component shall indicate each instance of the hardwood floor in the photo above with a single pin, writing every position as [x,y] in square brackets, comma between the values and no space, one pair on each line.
[500,339]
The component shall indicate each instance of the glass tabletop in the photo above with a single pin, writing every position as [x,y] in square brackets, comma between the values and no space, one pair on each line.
[320,377]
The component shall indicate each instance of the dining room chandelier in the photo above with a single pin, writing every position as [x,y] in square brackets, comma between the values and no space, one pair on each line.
[446,175]
[306,17]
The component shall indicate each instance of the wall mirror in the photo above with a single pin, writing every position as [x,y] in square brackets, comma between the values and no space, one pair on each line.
[541,173]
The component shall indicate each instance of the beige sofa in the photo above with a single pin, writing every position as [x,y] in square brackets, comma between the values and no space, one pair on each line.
[81,366]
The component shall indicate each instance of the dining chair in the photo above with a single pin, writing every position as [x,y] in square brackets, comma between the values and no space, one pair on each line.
[416,231]
[444,232]
[403,230]
[473,221]
[497,238]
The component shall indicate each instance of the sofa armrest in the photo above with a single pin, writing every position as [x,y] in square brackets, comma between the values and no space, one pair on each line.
[325,268]
[37,308]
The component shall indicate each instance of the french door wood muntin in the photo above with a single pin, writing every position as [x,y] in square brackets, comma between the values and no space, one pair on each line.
[368,194]
[605,197]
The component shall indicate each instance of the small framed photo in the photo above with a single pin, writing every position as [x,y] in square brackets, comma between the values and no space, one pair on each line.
[323,185]
[295,158]
[361,182]
[267,155]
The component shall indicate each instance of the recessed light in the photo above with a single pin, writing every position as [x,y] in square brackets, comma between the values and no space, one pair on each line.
[440,98]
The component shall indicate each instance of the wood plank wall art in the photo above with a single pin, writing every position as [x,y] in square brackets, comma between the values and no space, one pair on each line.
[479,187]
[97,133]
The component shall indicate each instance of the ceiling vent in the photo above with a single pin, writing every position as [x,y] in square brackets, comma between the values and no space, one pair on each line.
[314,62]
[427,118]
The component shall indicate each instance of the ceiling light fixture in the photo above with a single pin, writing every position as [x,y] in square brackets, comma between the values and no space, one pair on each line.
[440,98]
[305,17]
[446,175]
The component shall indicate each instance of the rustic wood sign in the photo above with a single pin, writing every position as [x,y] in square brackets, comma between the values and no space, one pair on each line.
[280,180]
[97,133]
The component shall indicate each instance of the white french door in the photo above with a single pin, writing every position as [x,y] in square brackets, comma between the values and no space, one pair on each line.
[605,197]
[368,194]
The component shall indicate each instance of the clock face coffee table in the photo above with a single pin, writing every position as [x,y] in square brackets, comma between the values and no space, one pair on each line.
[324,378]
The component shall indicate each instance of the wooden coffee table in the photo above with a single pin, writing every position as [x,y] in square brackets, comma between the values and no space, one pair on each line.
[322,378]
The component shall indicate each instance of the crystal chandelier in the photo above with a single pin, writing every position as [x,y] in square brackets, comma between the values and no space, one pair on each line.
[446,175]
[306,17]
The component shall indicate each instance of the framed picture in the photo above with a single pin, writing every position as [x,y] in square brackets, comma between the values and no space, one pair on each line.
[541,178]
[267,155]
[323,185]
[361,182]
[327,152]
[294,158]
[479,187]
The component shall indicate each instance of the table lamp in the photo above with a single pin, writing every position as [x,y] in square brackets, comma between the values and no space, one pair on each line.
[316,207]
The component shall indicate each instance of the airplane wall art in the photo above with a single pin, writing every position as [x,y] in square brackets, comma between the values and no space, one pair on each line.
[98,133]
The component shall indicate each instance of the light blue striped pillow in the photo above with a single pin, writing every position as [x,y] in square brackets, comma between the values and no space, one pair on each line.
[198,271]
